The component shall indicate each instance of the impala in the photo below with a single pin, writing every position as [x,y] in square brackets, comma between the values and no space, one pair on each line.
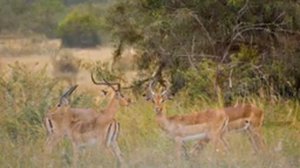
[247,118]
[198,126]
[86,126]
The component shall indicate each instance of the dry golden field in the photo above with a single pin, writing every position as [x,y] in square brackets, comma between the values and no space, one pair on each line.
[37,52]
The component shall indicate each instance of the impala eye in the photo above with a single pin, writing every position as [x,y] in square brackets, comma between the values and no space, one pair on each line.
[161,99]
[104,92]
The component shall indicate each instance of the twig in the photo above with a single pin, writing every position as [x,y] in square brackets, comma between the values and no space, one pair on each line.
[242,10]
[230,79]
[210,39]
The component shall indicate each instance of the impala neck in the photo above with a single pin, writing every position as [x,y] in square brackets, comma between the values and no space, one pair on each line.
[161,118]
[112,106]
[160,112]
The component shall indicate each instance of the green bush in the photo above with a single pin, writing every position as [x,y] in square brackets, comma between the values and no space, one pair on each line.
[79,29]
[25,96]
[200,82]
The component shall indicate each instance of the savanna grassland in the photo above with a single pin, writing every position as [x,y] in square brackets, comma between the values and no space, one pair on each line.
[28,88]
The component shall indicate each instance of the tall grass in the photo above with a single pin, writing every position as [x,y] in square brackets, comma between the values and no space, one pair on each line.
[26,95]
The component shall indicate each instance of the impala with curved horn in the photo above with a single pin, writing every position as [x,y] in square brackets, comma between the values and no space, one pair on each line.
[87,126]
[59,118]
[203,125]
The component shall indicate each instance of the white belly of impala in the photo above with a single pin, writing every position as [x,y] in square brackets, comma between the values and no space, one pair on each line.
[89,142]
[195,137]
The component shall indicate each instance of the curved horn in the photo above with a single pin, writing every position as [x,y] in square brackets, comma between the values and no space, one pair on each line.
[94,81]
[150,87]
[71,90]
[164,92]
[106,83]
[110,85]
[64,97]
[167,92]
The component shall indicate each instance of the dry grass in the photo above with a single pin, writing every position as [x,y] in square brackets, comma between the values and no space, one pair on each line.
[27,91]
[145,145]
[20,46]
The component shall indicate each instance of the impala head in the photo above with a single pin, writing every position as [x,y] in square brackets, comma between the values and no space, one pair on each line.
[157,99]
[54,115]
[64,99]
[116,88]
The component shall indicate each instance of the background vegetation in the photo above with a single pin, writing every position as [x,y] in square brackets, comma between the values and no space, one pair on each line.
[251,46]
[213,53]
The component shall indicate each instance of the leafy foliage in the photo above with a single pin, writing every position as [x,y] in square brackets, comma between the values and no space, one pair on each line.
[200,83]
[26,96]
[251,42]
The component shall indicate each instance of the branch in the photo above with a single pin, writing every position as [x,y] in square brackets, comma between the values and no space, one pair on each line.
[210,39]
[239,29]
[243,10]
[156,76]
[230,78]
[199,55]
[191,56]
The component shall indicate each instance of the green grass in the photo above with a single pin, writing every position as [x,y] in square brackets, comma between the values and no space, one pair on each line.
[25,99]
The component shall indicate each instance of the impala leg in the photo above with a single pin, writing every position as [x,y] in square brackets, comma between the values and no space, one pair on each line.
[180,149]
[185,153]
[179,152]
[117,153]
[256,139]
[224,142]
[218,131]
[75,155]
[223,131]
[259,138]
[51,142]
[215,142]
[252,140]
[219,143]
[199,145]
[48,147]
[112,143]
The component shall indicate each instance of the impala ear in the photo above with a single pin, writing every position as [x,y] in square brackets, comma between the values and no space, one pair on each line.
[146,97]
[63,102]
[170,96]
[167,95]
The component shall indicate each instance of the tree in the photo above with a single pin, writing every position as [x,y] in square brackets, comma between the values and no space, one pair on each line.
[252,40]
[79,29]
[47,15]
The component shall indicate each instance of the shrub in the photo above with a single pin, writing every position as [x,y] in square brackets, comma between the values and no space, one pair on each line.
[25,96]
[79,29]
[200,82]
